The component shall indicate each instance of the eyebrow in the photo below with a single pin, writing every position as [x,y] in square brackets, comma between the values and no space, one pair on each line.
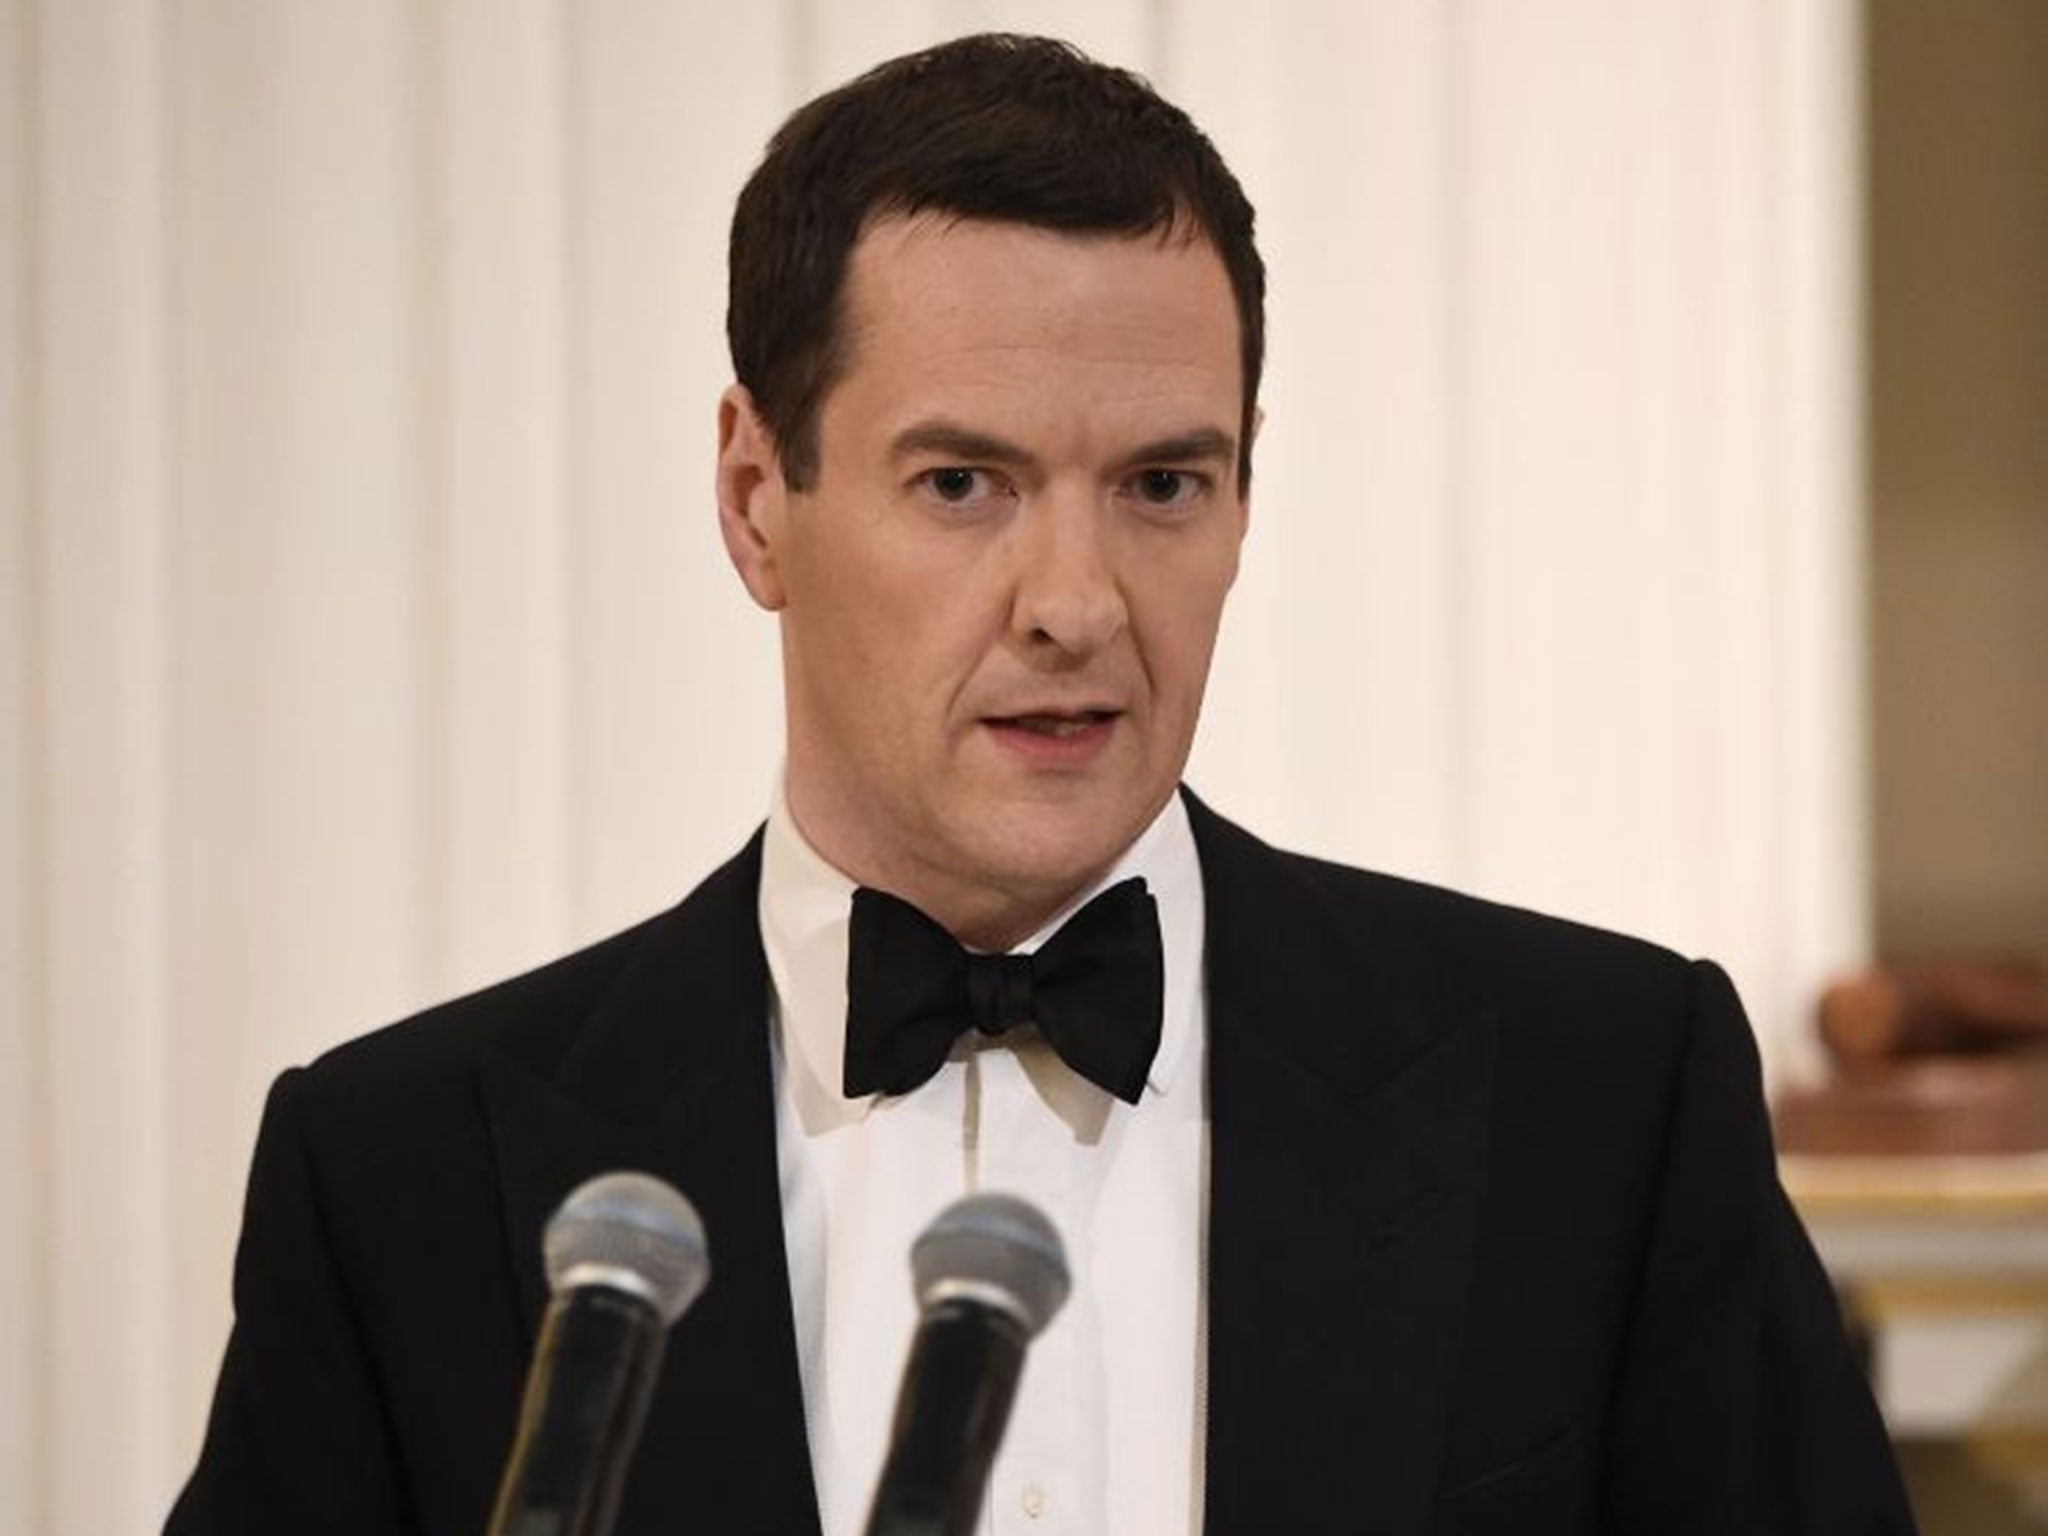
[1187,447]
[955,441]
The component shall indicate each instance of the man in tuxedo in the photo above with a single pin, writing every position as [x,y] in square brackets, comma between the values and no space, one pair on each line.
[1388,1210]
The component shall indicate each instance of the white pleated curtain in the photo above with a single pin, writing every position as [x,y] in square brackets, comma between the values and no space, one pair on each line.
[364,634]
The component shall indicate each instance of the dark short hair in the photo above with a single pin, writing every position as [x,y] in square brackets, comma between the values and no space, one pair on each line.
[1021,130]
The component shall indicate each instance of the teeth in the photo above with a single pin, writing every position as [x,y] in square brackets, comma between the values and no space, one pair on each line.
[1058,726]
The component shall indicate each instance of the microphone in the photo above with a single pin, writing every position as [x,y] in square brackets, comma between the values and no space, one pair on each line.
[989,1274]
[625,1257]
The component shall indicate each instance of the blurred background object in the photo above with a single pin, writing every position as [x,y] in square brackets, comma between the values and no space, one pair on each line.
[1918,1155]
[1936,1058]
[1943,1007]
[1917,1158]
[1958,450]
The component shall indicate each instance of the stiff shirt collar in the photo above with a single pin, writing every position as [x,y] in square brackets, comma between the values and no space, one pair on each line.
[806,905]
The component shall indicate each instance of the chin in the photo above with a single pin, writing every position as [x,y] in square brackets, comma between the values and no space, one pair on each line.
[1054,850]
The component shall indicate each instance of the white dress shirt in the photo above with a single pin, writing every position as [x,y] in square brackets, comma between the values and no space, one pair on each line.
[1106,1434]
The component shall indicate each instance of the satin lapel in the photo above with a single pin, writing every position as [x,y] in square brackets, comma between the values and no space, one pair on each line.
[1348,1119]
[672,1075]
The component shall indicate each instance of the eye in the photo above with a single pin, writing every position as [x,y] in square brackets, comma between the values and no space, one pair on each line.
[1168,487]
[955,485]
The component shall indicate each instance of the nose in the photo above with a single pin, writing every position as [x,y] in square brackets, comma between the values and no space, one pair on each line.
[1070,600]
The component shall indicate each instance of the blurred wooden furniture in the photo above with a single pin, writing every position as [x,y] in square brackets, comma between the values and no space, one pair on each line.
[1944,1263]
[1938,1058]
[1921,1169]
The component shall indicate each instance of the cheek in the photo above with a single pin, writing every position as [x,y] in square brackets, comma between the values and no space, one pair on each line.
[1177,621]
[896,649]
[846,595]
[941,610]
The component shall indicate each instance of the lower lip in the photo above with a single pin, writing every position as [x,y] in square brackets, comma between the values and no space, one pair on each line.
[1075,749]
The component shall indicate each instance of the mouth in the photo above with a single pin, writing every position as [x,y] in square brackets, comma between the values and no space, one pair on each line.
[1055,739]
[1060,727]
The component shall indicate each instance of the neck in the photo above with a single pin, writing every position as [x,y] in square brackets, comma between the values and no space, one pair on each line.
[982,914]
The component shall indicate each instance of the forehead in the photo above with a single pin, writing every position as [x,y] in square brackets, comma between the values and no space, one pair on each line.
[937,308]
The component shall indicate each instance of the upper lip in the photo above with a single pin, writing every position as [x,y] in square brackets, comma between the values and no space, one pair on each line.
[1074,710]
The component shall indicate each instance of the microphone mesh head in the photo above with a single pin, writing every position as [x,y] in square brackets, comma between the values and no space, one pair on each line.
[994,1243]
[636,1224]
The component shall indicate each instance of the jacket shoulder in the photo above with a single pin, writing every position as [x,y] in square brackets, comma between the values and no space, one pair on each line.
[1462,933]
[532,1019]
[531,1016]
[1410,928]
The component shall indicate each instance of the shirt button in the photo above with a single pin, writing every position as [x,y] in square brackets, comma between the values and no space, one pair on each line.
[1033,1500]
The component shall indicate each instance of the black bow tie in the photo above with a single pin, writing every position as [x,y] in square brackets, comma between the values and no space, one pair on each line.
[1094,989]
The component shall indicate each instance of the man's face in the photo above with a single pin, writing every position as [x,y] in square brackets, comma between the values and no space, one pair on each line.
[1000,596]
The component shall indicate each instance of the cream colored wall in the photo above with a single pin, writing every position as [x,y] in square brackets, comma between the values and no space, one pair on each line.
[366,634]
[22,1162]
[1959,439]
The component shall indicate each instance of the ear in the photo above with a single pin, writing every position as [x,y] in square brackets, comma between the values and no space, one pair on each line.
[753,501]
[1244,509]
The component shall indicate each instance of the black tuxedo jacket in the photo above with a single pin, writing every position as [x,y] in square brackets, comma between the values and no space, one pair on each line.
[1495,1239]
